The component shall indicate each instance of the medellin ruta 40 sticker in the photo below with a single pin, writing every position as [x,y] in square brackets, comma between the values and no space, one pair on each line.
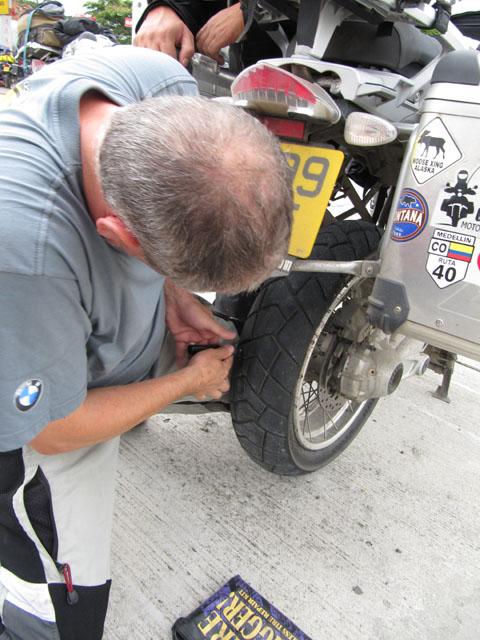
[434,151]
[449,256]
[411,216]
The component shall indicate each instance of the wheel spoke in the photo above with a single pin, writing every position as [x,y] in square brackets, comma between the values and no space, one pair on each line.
[320,422]
[306,404]
[331,420]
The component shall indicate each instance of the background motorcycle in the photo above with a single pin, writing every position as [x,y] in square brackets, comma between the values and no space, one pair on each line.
[6,61]
[37,44]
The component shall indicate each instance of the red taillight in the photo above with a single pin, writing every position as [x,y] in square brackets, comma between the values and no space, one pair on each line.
[273,90]
[277,82]
[284,128]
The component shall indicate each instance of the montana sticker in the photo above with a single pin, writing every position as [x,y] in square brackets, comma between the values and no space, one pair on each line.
[411,216]
[435,150]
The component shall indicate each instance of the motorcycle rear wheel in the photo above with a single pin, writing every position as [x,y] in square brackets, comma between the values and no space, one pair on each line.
[286,412]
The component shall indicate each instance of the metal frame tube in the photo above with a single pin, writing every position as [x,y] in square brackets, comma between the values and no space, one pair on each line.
[367,268]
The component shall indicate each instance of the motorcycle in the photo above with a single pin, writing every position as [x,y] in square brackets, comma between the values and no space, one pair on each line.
[31,57]
[37,44]
[376,105]
[6,60]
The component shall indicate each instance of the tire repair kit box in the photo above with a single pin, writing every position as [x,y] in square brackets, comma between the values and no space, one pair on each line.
[236,612]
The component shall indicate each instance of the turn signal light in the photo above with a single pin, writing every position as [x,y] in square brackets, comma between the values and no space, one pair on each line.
[273,90]
[366,130]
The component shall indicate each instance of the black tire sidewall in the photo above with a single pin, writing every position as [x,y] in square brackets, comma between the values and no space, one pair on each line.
[303,300]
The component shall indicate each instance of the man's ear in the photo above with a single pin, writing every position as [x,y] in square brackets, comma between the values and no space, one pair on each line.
[116,233]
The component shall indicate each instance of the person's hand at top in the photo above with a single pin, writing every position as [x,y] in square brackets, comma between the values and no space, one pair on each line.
[221,30]
[164,31]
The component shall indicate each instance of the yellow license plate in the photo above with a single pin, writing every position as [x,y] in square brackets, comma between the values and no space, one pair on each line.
[315,172]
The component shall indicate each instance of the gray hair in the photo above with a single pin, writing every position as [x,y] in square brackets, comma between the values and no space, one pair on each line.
[203,186]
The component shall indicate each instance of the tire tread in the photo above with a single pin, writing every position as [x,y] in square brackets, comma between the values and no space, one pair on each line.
[274,340]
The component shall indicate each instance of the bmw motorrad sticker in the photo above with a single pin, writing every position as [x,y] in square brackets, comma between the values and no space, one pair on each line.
[458,204]
[449,255]
[434,151]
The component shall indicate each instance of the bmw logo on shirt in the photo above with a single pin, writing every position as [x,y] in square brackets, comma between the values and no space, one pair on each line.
[28,394]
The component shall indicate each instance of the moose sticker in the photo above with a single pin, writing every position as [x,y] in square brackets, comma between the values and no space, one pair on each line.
[434,151]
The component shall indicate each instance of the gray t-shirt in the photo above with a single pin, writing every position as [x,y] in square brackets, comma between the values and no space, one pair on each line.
[76,313]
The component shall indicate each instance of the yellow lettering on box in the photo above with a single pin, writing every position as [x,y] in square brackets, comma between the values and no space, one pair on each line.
[209,623]
[224,634]
[251,635]
[241,619]
[232,609]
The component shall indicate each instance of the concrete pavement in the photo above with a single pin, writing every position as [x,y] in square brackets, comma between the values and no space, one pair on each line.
[381,544]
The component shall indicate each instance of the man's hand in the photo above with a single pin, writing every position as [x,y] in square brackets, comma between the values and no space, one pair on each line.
[190,322]
[211,368]
[110,411]
[222,29]
[163,30]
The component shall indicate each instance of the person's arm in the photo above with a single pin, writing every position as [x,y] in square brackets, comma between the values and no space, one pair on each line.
[164,31]
[221,30]
[110,411]
[190,322]
[175,27]
[194,13]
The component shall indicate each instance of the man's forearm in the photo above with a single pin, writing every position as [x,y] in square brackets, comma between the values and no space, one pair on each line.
[194,13]
[110,411]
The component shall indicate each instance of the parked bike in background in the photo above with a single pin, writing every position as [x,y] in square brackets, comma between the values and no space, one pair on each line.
[6,62]
[45,35]
[37,43]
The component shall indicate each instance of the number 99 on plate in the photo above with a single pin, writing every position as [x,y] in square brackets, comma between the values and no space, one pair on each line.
[315,171]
